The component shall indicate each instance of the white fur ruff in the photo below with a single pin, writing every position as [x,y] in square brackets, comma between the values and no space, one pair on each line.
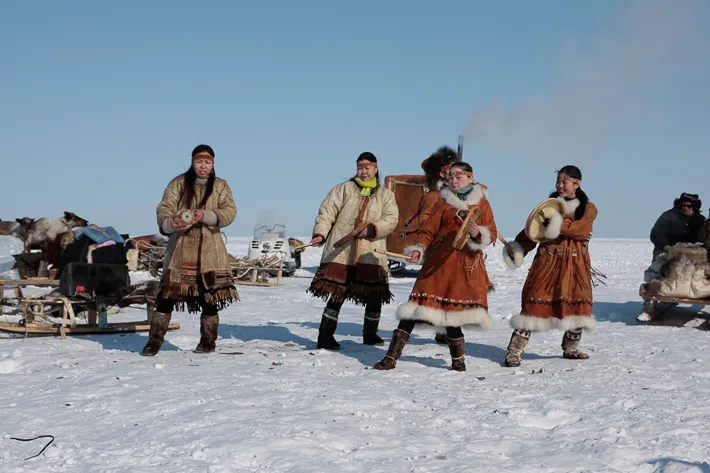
[538,324]
[517,253]
[477,193]
[477,319]
[570,205]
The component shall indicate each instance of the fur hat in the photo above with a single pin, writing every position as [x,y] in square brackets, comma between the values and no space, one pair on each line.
[432,165]
[693,199]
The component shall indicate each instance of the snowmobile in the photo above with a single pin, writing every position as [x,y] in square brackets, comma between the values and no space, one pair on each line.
[271,244]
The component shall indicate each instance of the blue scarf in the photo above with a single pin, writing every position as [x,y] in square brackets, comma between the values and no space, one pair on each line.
[463,192]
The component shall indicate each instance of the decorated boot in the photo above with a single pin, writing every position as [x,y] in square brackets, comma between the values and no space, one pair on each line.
[456,349]
[328,324]
[518,342]
[570,345]
[369,329]
[399,339]
[209,326]
[158,328]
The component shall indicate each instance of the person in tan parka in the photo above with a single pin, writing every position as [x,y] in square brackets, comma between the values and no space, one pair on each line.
[196,270]
[354,271]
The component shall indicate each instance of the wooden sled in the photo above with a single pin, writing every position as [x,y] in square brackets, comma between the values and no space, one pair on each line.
[654,311]
[36,312]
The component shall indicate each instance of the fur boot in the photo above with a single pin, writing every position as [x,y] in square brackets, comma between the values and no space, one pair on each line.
[209,327]
[158,328]
[570,345]
[399,339]
[458,362]
[516,347]
[369,329]
[328,324]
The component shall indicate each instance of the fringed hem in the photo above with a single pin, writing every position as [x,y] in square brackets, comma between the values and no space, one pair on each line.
[357,292]
[188,297]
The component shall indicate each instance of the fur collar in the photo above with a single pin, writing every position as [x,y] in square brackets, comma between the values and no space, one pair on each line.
[477,193]
[570,205]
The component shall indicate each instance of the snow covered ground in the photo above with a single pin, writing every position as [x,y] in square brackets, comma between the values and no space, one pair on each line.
[270,401]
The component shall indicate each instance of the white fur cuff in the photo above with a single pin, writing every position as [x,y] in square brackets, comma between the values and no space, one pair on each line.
[484,239]
[518,255]
[553,228]
[420,248]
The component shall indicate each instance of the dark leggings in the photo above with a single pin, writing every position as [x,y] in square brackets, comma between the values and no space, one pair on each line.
[166,306]
[451,332]
[374,307]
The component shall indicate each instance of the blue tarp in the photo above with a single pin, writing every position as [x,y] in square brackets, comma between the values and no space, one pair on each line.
[101,235]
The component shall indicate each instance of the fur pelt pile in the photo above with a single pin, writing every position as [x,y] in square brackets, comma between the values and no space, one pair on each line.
[684,278]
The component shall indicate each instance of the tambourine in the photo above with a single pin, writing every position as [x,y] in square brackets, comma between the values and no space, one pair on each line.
[186,217]
[535,225]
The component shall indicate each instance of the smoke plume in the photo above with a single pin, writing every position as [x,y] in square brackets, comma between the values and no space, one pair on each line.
[608,88]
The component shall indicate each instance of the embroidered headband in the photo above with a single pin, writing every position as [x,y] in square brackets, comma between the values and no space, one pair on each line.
[366,166]
[459,173]
[203,154]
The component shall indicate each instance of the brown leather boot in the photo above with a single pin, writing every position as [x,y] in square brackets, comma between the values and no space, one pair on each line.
[440,338]
[458,362]
[570,345]
[399,339]
[209,327]
[369,329]
[518,342]
[158,327]
[328,324]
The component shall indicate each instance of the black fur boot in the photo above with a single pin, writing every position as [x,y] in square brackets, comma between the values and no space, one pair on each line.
[209,327]
[158,328]
[369,329]
[328,324]
[458,362]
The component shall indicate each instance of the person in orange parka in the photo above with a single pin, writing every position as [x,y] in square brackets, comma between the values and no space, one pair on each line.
[451,290]
[557,293]
[436,168]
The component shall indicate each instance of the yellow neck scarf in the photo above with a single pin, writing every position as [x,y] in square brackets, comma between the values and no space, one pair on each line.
[366,186]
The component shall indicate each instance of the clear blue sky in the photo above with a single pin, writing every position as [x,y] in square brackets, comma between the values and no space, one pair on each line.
[102,102]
